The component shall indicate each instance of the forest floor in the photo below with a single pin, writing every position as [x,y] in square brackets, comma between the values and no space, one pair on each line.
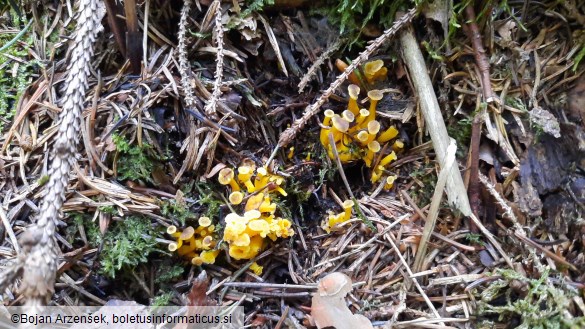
[196,183]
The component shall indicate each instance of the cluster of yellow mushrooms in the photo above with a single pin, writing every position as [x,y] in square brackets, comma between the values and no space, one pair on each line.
[355,134]
[254,189]
[195,244]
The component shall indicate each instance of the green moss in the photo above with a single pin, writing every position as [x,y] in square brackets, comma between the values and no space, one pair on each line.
[173,209]
[167,273]
[162,299]
[126,244]
[15,76]
[544,306]
[134,162]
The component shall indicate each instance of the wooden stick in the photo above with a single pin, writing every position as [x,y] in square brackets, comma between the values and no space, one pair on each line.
[456,192]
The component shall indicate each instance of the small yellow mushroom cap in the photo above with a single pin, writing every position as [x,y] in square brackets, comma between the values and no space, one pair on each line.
[373,66]
[232,218]
[375,95]
[353,91]
[252,214]
[329,114]
[207,241]
[348,115]
[362,136]
[245,170]
[348,204]
[236,197]
[257,269]
[389,182]
[261,226]
[374,146]
[171,229]
[364,112]
[254,201]
[204,221]
[208,256]
[262,170]
[173,246]
[340,124]
[242,240]
[225,176]
[373,127]
[197,261]
[187,233]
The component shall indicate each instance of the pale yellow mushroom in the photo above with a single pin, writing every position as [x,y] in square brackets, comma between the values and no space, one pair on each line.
[226,176]
[388,134]
[375,96]
[353,92]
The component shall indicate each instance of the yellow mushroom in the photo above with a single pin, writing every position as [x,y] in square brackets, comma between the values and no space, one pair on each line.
[373,129]
[254,202]
[373,147]
[387,159]
[236,197]
[257,269]
[347,206]
[363,115]
[244,176]
[226,176]
[204,221]
[324,135]
[340,126]
[388,134]
[173,246]
[375,96]
[376,174]
[375,70]
[207,242]
[267,205]
[398,145]
[197,261]
[172,230]
[362,136]
[209,256]
[389,182]
[348,115]
[262,178]
[353,92]
[252,214]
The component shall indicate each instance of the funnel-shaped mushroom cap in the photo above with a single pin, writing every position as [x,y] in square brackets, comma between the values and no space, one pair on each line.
[374,66]
[373,127]
[252,214]
[204,221]
[353,91]
[362,136]
[375,95]
[374,146]
[172,229]
[236,197]
[348,204]
[225,176]
[187,233]
[340,124]
[348,115]
[244,170]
